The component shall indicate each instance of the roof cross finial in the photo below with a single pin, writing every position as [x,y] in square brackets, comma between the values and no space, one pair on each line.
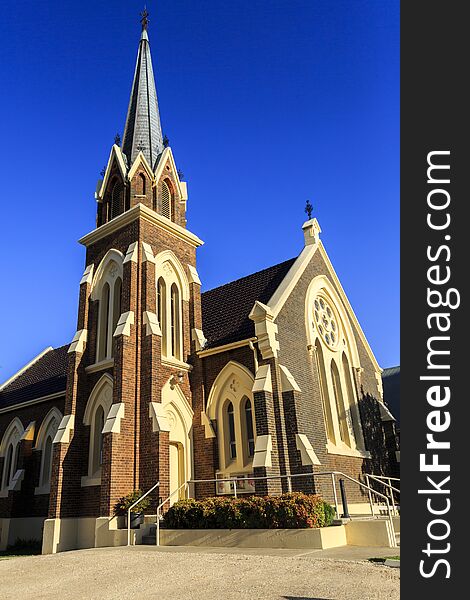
[144,20]
[309,209]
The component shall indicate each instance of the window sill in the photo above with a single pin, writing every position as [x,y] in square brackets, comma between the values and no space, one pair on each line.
[108,363]
[174,362]
[91,481]
[4,493]
[42,490]
[344,450]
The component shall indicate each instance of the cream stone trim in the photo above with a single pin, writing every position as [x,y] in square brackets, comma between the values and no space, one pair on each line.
[25,368]
[168,154]
[132,253]
[206,423]
[263,449]
[147,253]
[159,417]
[378,378]
[117,152]
[263,382]
[278,299]
[113,420]
[288,383]
[87,276]
[136,212]
[42,490]
[198,336]
[342,450]
[15,424]
[28,433]
[79,341]
[150,320]
[226,347]
[140,160]
[54,413]
[312,232]
[124,324]
[193,275]
[169,361]
[265,329]
[111,255]
[64,432]
[15,407]
[167,256]
[307,453]
[184,192]
[385,414]
[89,481]
[15,484]
[107,363]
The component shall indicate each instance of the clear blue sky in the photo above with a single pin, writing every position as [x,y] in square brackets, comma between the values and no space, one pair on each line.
[267,103]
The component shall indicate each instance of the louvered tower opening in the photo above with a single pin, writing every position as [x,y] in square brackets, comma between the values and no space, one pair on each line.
[166,201]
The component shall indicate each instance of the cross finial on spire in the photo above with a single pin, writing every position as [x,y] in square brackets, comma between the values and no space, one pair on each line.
[308,209]
[144,20]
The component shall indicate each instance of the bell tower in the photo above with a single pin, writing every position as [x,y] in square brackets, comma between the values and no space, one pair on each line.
[129,408]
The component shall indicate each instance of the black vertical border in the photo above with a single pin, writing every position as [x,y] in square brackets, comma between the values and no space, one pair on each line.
[435,109]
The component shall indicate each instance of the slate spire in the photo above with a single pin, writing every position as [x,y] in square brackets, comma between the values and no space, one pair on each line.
[143,130]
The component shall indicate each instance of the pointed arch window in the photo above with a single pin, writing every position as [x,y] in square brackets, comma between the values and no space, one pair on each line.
[232,442]
[109,310]
[44,443]
[9,450]
[143,184]
[340,407]
[325,397]
[175,322]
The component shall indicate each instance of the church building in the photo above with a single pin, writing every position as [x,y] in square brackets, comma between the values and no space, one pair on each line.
[267,376]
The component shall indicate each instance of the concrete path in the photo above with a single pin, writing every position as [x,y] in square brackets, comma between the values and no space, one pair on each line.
[194,574]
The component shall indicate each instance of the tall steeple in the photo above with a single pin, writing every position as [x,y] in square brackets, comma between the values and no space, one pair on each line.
[143,130]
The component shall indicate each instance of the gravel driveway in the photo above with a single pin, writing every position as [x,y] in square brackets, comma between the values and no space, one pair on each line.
[172,574]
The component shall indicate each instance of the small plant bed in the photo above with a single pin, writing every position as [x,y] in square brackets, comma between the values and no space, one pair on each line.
[125,503]
[382,559]
[289,511]
[22,548]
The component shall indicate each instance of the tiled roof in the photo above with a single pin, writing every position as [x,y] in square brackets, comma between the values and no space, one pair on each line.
[225,309]
[45,376]
[391,390]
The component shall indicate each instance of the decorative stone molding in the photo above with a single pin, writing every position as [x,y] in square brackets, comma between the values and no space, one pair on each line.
[28,434]
[65,427]
[159,417]
[208,429]
[131,254]
[312,232]
[263,449]
[288,383]
[113,420]
[147,253]
[15,483]
[124,324]
[385,414]
[198,336]
[265,329]
[87,276]
[307,453]
[263,381]
[79,341]
[193,275]
[378,378]
[150,319]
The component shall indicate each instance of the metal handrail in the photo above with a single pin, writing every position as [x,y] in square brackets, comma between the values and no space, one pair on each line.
[133,506]
[289,478]
[389,486]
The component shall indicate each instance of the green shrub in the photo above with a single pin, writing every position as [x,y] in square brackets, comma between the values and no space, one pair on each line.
[289,511]
[122,505]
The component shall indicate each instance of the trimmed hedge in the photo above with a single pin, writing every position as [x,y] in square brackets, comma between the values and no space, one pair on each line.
[289,511]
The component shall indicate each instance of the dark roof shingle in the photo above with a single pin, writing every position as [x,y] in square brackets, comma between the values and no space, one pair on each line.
[225,309]
[44,377]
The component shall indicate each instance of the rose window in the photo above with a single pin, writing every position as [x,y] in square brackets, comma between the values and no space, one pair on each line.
[326,322]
